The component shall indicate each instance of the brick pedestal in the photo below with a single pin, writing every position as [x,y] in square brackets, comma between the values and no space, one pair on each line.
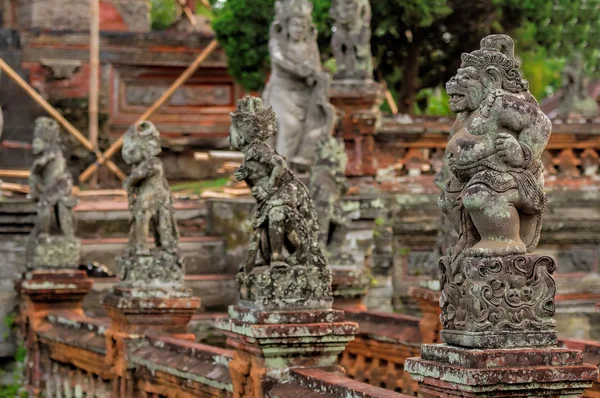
[269,343]
[447,371]
[349,287]
[357,103]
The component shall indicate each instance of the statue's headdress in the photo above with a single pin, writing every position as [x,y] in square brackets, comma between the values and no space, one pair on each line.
[254,120]
[498,51]
[285,9]
[146,136]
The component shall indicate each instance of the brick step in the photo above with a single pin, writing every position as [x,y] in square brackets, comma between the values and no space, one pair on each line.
[217,292]
[202,255]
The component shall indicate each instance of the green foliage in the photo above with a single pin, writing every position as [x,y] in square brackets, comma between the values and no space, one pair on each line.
[198,186]
[434,100]
[163,14]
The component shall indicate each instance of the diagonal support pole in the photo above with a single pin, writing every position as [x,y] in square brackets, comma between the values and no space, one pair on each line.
[110,152]
[59,118]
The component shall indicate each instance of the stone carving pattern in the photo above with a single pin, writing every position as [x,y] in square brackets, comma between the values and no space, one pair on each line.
[298,89]
[351,39]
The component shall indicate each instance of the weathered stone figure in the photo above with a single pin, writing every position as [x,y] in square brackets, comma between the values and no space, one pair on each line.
[351,39]
[151,205]
[495,197]
[298,90]
[495,201]
[328,185]
[284,253]
[50,184]
[575,100]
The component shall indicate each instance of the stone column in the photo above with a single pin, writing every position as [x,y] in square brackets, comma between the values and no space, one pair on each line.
[283,319]
[497,295]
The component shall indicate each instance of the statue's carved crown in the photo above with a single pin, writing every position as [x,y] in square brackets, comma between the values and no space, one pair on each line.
[498,51]
[251,117]
[47,129]
[285,9]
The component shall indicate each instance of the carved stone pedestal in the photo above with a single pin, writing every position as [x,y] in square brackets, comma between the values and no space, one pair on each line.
[447,371]
[268,343]
[357,103]
[272,289]
[150,311]
[53,252]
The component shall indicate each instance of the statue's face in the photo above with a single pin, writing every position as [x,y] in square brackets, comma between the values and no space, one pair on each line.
[235,138]
[38,145]
[467,89]
[347,11]
[297,28]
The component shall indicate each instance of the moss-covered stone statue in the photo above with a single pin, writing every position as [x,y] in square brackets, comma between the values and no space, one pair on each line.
[298,89]
[575,101]
[151,205]
[328,185]
[351,39]
[284,268]
[495,291]
[51,185]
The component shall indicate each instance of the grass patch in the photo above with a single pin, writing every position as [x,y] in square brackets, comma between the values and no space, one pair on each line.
[197,187]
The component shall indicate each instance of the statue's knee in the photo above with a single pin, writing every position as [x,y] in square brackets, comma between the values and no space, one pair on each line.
[478,197]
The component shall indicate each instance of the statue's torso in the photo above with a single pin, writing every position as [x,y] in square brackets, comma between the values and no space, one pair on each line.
[54,170]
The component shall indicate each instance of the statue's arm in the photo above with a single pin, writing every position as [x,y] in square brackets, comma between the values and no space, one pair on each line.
[279,60]
[279,167]
[145,170]
[532,126]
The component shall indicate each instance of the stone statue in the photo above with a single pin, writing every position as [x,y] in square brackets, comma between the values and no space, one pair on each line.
[298,89]
[151,204]
[575,100]
[285,267]
[328,185]
[351,39]
[491,285]
[51,187]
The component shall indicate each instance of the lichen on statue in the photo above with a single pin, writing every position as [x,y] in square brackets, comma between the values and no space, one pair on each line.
[298,89]
[51,185]
[284,267]
[495,196]
[151,205]
[351,39]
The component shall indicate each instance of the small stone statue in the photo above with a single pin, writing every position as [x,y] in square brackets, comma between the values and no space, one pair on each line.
[351,39]
[285,267]
[328,185]
[495,293]
[51,187]
[298,90]
[575,100]
[151,204]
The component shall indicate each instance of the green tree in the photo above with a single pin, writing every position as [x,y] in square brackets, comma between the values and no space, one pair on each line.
[417,43]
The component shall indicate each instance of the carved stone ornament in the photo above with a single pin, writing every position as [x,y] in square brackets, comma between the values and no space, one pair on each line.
[495,200]
[51,185]
[351,39]
[285,267]
[298,90]
[151,205]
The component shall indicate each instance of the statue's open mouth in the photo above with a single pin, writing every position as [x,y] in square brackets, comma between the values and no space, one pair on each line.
[456,97]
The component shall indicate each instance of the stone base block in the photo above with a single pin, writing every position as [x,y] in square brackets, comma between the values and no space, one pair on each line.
[268,344]
[447,371]
[293,288]
[53,252]
[155,268]
[150,311]
[54,286]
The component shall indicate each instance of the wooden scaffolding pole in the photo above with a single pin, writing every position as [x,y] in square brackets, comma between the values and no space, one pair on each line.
[110,152]
[94,77]
[59,118]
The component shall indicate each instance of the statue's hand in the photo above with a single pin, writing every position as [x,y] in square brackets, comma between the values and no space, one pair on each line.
[306,70]
[241,173]
[260,193]
[509,150]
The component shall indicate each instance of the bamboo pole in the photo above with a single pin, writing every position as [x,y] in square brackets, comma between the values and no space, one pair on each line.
[14,173]
[390,100]
[59,118]
[94,77]
[87,173]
